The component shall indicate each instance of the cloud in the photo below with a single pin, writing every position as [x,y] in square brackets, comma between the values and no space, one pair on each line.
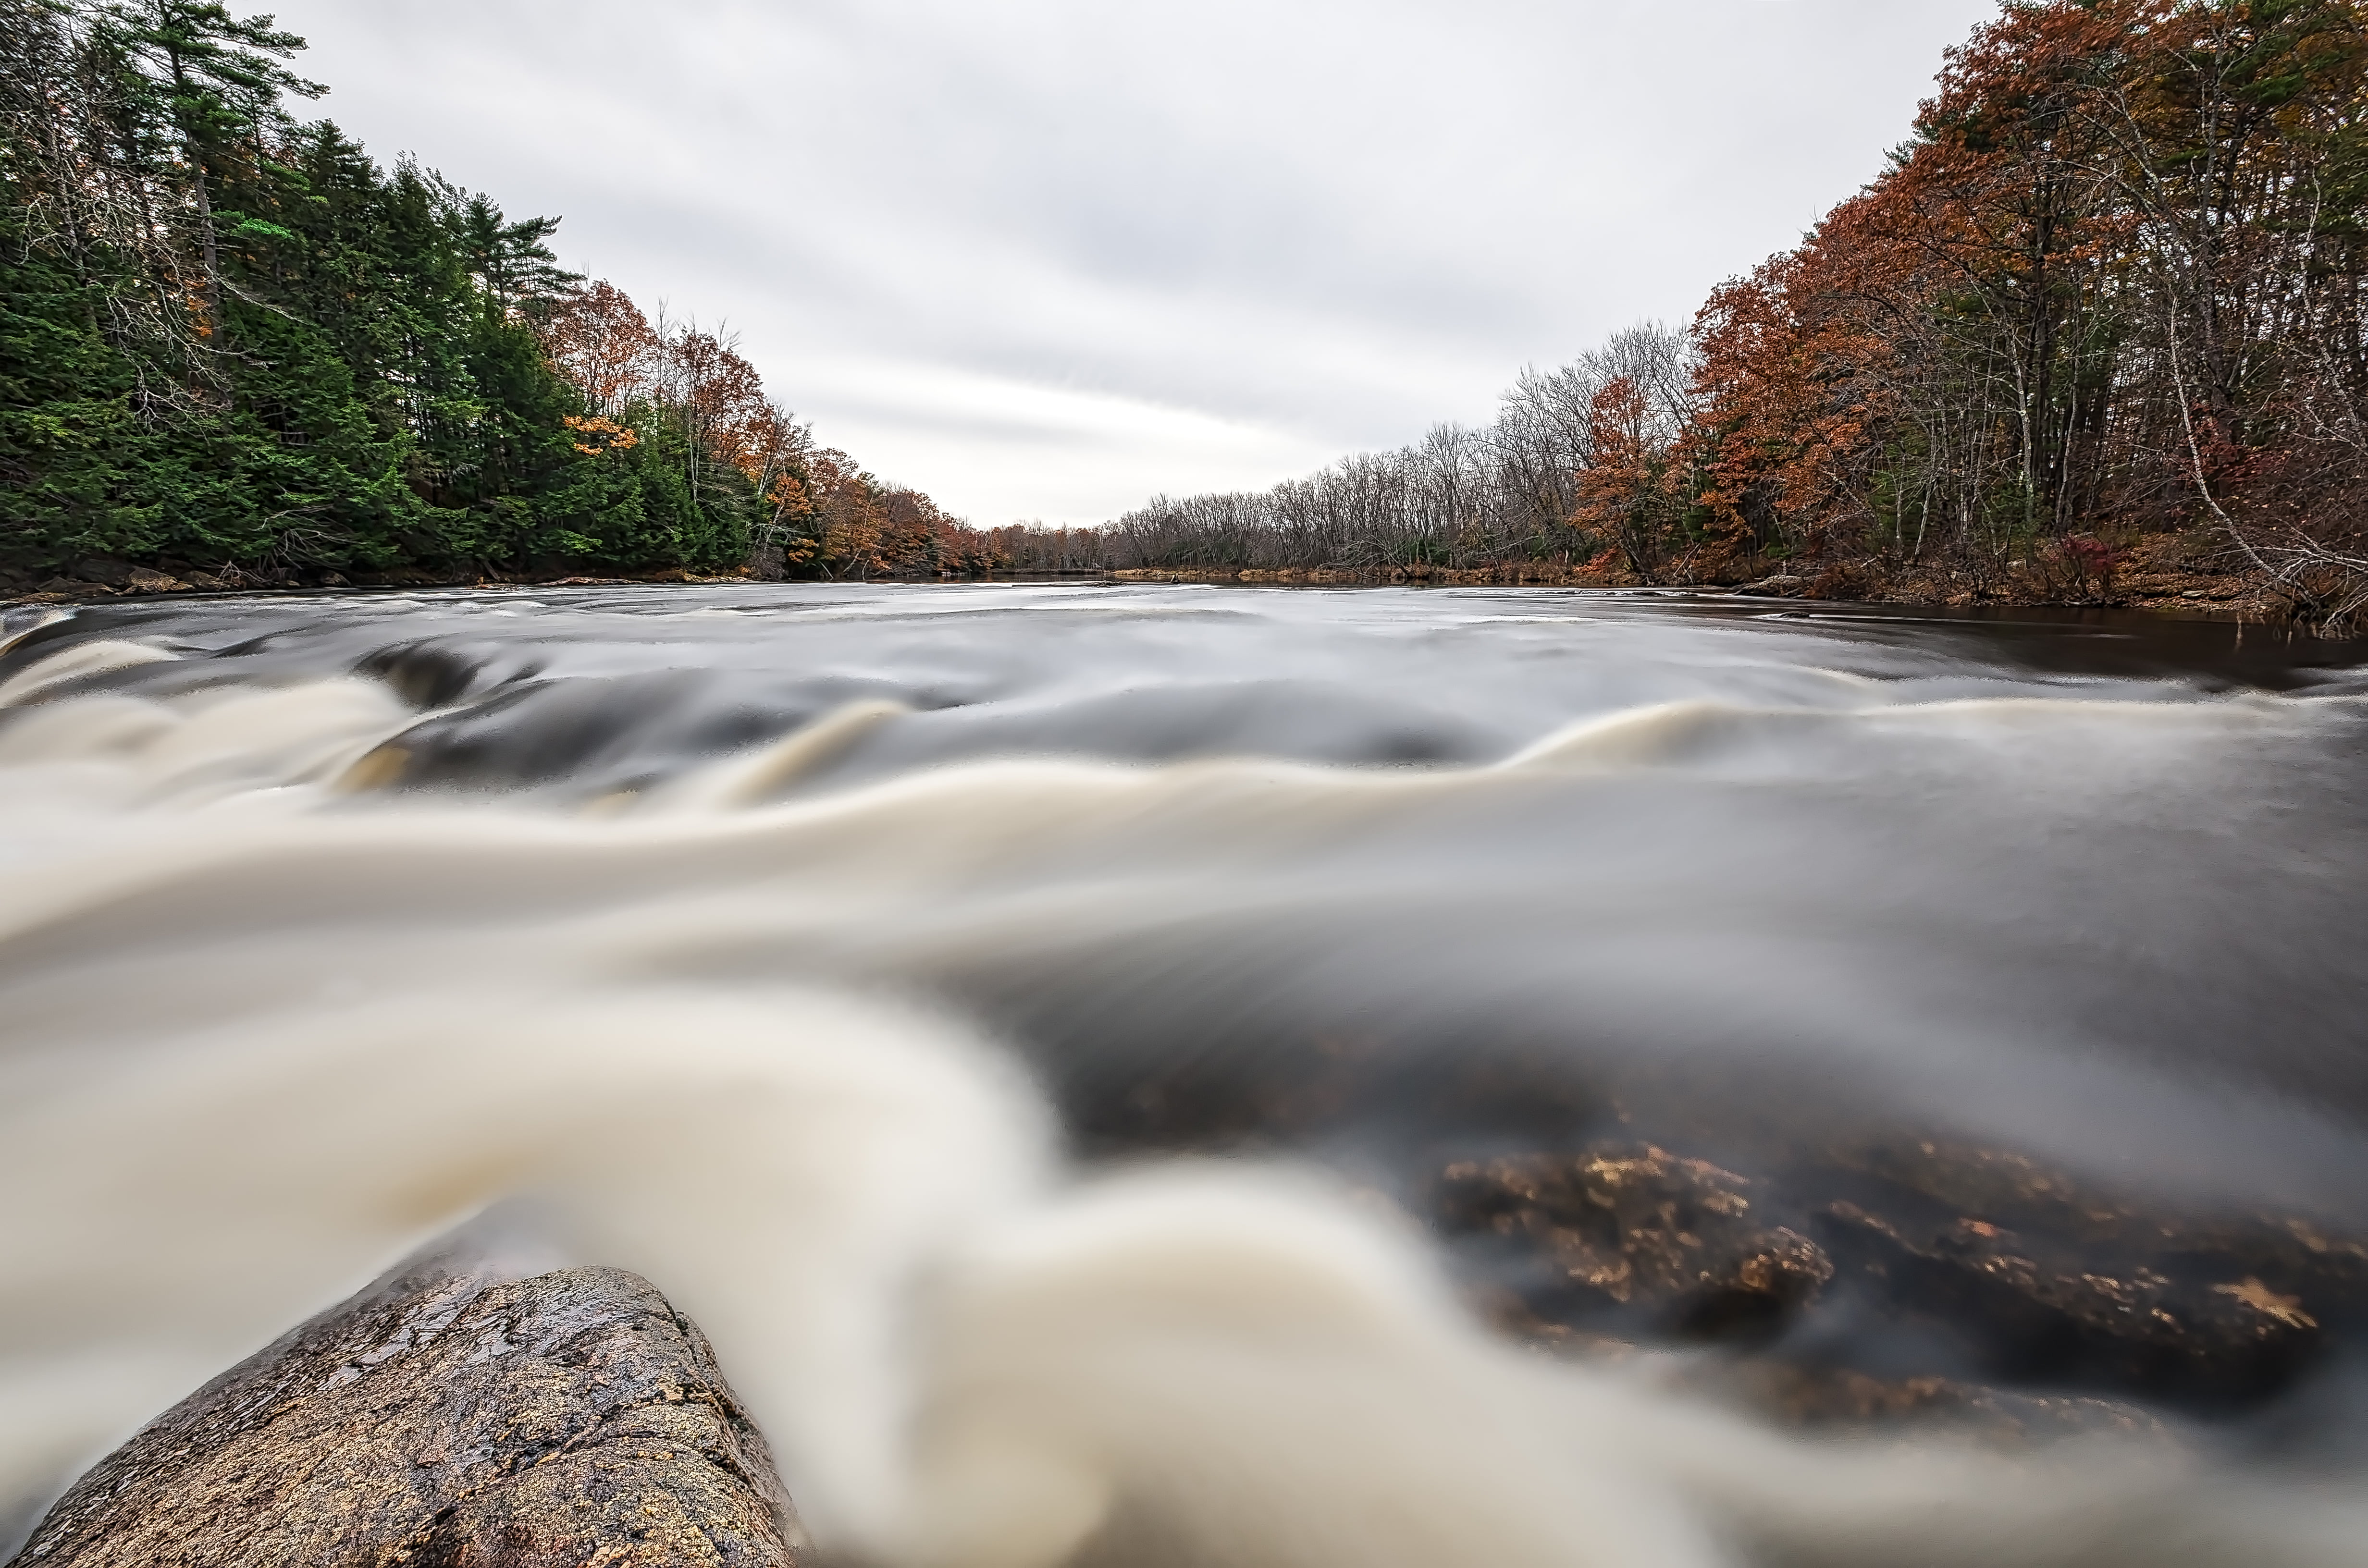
[1044,257]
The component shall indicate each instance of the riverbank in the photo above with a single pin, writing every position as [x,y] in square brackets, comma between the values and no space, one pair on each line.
[103,578]
[2166,575]
[2163,575]
[98,581]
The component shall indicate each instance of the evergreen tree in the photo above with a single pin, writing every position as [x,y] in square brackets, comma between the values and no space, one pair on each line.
[232,342]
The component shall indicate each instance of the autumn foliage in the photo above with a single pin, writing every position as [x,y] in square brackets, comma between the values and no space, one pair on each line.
[2111,289]
[234,346]
[810,509]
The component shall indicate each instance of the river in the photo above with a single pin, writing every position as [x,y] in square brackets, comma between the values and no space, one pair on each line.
[1031,1029]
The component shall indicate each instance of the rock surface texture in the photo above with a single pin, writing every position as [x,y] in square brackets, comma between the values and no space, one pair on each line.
[1640,1227]
[1937,1262]
[446,1418]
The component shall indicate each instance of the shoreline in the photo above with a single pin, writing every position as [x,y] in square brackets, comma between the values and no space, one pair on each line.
[2159,585]
[2175,590]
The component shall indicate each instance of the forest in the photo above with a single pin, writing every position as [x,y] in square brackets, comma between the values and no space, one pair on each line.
[2101,312]
[236,351]
[2104,310]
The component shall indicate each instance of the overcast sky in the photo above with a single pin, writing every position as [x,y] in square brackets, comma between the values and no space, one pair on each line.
[1043,258]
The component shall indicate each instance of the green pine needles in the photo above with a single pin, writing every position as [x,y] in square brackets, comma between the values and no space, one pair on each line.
[230,341]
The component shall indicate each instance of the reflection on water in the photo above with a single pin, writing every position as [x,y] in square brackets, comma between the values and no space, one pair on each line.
[1137,1075]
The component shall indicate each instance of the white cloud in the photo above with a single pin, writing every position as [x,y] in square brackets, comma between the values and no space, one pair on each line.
[1063,452]
[1042,257]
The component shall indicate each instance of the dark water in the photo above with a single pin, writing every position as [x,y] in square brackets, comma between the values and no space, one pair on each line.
[1029,1026]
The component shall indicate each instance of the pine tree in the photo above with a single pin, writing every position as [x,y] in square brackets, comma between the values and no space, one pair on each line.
[216,82]
[233,342]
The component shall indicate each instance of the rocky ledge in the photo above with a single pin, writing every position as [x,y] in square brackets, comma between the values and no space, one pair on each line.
[1836,1270]
[448,1417]
[2051,1302]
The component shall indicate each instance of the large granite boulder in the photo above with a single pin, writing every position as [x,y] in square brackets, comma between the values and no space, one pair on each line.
[449,1416]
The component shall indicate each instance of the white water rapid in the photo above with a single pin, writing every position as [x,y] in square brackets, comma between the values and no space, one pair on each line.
[814,951]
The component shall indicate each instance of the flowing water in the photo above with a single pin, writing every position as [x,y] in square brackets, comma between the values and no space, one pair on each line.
[1020,1024]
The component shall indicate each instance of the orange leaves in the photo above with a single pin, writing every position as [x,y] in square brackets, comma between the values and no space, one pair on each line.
[598,339]
[1790,378]
[598,434]
[788,494]
[1628,488]
[602,344]
[2115,238]
[810,504]
[1622,470]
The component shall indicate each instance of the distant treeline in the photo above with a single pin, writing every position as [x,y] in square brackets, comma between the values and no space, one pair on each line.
[231,343]
[2112,288]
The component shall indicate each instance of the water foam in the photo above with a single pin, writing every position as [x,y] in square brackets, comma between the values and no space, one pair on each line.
[270,1032]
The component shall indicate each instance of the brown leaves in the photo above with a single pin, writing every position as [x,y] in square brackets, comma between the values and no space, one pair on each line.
[818,504]
[1626,491]
[598,339]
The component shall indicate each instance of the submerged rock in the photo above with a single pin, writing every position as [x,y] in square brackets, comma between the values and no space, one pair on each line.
[1838,1397]
[2098,1321]
[1906,1280]
[446,1418]
[1675,1240]
[2050,1279]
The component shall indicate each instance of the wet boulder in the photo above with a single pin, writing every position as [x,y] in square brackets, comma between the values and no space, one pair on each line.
[448,1417]
[1905,1278]
[1815,1396]
[1672,1244]
[2118,1322]
[2050,1279]
[104,570]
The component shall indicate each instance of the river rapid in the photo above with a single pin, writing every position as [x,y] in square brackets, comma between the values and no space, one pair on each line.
[1025,1027]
